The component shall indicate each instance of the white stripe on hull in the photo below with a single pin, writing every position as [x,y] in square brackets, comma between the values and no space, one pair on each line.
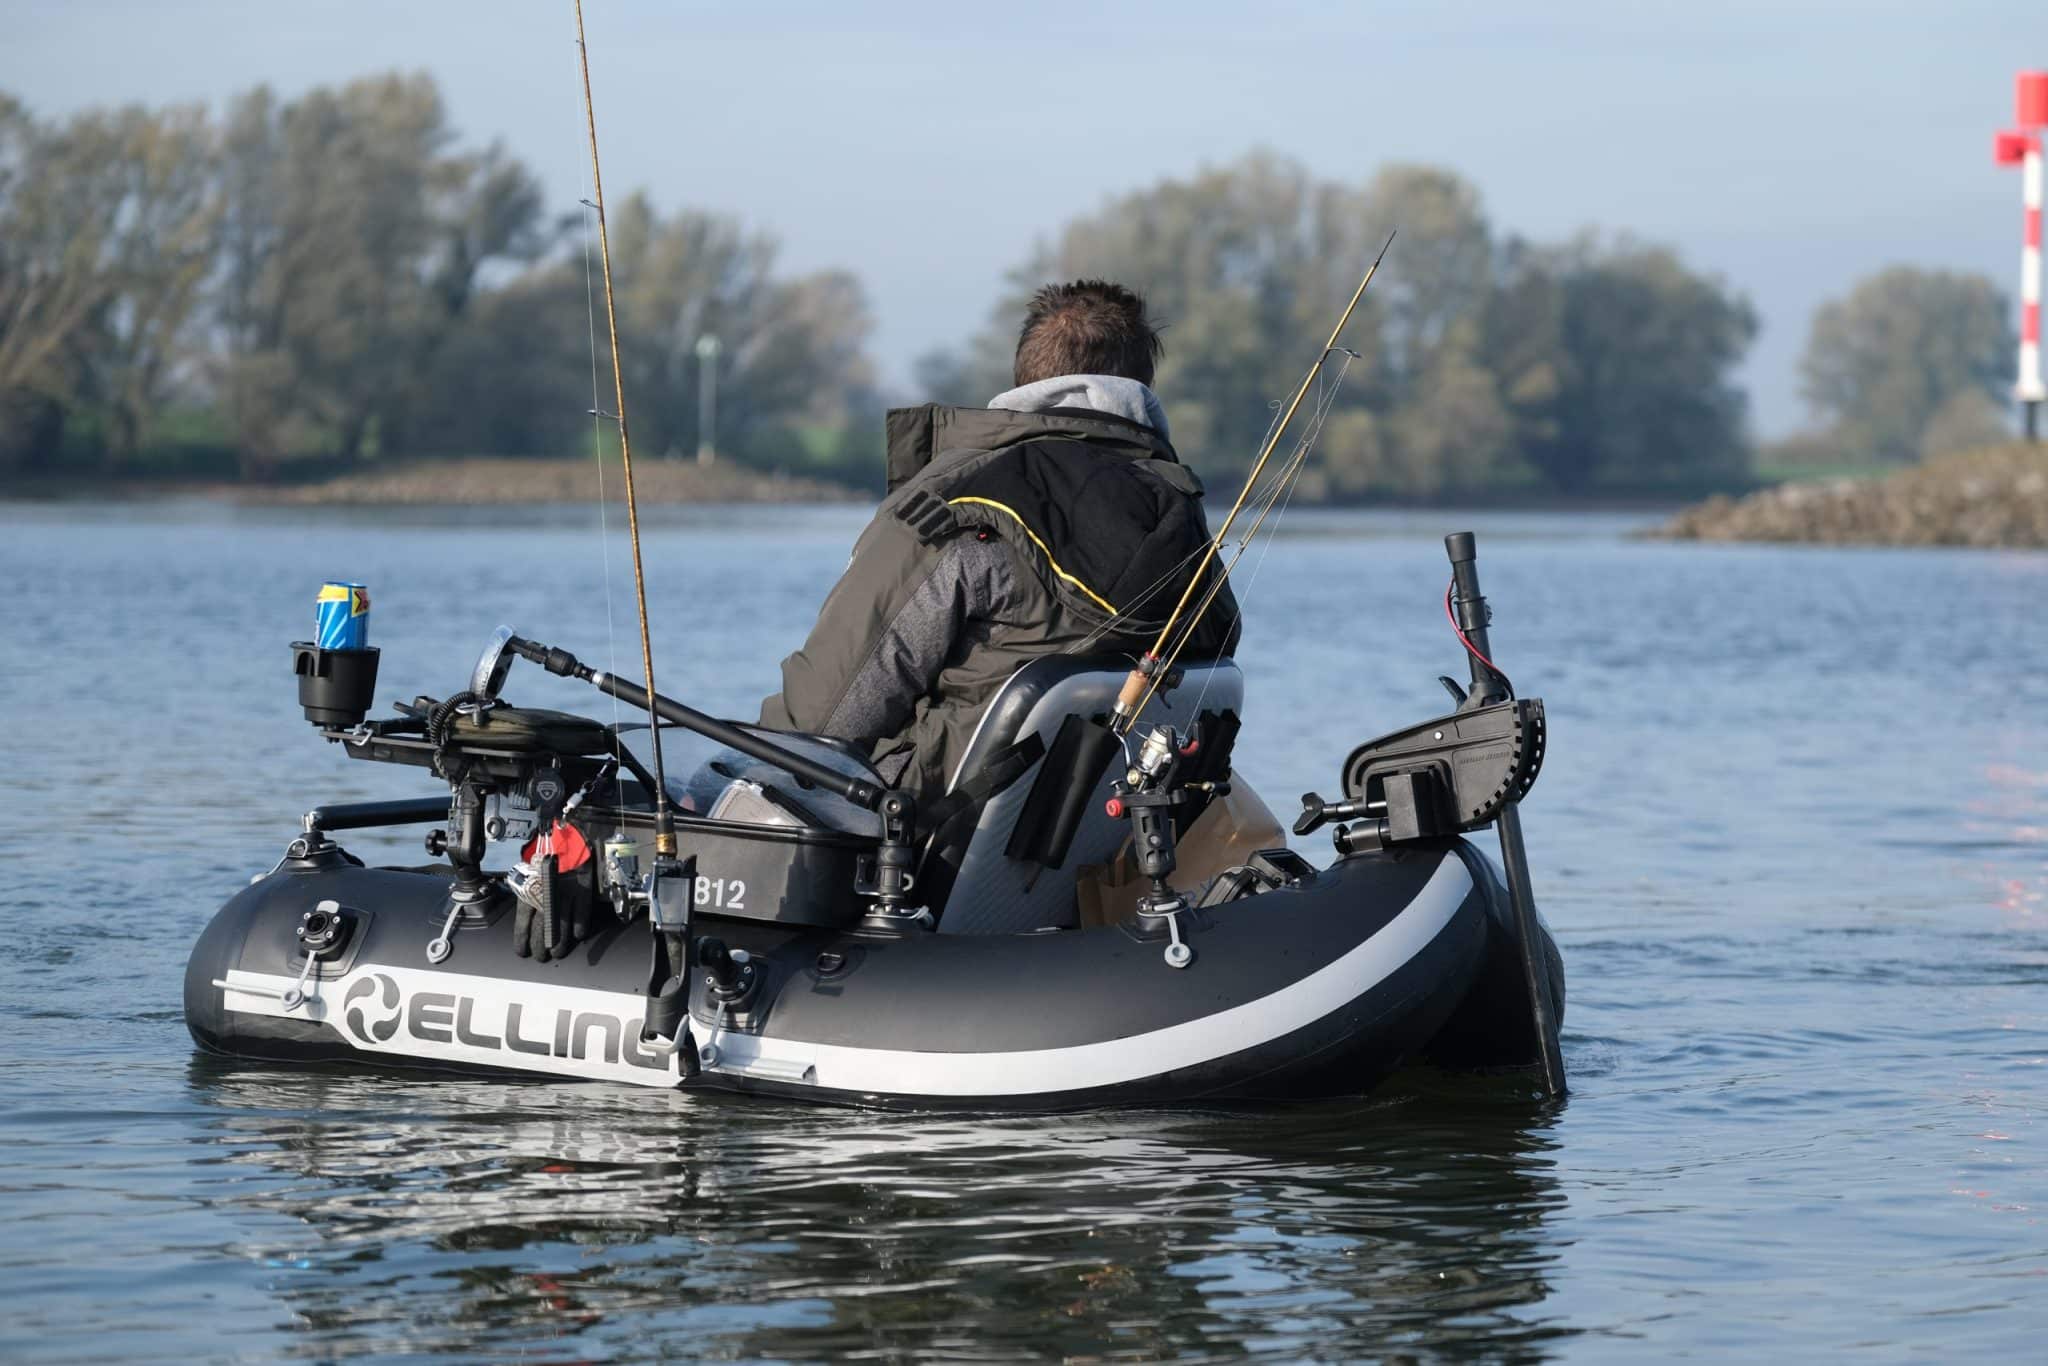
[1117,1062]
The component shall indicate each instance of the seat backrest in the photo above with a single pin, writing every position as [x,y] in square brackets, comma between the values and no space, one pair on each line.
[993,893]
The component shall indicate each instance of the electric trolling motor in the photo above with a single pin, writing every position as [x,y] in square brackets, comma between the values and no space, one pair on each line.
[1456,774]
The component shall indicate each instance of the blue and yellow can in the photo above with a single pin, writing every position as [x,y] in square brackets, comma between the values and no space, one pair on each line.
[343,611]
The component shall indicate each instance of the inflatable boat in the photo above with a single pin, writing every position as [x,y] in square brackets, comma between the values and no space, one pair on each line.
[1084,919]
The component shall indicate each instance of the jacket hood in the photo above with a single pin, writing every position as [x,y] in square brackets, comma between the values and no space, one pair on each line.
[916,436]
[1113,394]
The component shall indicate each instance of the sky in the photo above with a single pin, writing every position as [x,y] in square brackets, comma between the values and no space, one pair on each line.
[1790,147]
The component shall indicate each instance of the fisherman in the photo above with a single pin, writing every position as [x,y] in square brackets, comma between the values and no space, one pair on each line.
[1058,520]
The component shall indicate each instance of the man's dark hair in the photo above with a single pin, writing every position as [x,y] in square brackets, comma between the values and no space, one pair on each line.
[1089,327]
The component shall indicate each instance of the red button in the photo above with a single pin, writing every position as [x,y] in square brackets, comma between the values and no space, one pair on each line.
[1115,808]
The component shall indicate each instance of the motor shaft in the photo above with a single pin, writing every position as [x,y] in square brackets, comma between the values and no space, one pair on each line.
[1471,616]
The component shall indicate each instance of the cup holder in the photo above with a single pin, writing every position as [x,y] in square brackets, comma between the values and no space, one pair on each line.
[336,687]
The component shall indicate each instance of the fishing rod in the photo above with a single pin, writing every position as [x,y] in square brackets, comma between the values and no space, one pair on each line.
[664,818]
[1150,671]
[1279,491]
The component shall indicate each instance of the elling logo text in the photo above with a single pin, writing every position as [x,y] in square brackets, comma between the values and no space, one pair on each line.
[376,1013]
[370,1010]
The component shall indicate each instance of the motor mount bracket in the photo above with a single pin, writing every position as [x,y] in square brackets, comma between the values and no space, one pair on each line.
[1451,774]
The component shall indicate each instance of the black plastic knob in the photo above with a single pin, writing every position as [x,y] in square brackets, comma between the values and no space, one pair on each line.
[716,960]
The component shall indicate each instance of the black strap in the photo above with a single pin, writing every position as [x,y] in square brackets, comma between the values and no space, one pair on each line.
[928,516]
[971,794]
[1059,796]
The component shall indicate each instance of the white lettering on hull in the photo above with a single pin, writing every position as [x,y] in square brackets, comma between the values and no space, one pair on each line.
[453,1017]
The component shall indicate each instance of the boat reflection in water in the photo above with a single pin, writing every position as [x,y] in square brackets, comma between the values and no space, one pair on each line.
[466,1217]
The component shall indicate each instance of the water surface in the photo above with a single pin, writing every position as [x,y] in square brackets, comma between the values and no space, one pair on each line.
[1791,838]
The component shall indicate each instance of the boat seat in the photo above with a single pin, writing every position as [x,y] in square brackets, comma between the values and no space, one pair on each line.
[972,883]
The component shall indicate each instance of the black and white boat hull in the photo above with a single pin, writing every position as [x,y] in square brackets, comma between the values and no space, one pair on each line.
[1316,988]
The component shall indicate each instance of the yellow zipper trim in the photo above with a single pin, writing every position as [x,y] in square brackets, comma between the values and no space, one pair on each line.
[1064,576]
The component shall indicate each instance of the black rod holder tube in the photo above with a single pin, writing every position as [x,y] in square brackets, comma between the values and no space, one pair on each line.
[859,791]
[1514,856]
[369,815]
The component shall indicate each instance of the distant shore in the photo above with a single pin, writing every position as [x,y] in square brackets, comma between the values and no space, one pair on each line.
[479,481]
[1989,498]
[502,481]
[486,481]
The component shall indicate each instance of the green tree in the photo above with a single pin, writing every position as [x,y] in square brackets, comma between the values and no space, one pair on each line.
[1581,367]
[515,378]
[53,285]
[1883,361]
[1637,393]
[1438,274]
[354,239]
[1244,266]
[335,277]
[791,350]
[105,242]
[154,176]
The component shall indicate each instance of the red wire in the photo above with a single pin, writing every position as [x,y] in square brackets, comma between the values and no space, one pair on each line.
[1466,640]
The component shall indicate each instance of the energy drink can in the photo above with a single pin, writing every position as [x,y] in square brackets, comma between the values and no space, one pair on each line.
[343,615]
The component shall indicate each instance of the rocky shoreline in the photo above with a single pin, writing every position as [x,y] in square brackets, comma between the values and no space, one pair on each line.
[1988,498]
[485,481]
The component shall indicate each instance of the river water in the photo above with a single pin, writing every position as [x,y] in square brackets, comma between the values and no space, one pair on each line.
[1791,838]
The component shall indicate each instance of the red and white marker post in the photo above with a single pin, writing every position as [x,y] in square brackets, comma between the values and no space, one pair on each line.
[2021,147]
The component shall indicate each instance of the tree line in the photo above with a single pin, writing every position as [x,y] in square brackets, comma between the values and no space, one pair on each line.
[309,284]
[296,286]
[1484,362]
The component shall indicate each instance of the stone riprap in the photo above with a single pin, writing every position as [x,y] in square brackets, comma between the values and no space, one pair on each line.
[1995,497]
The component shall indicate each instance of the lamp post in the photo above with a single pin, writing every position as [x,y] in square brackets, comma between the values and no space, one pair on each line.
[707,399]
[2021,147]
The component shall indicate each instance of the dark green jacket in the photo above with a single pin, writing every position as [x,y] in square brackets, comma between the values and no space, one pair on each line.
[1005,536]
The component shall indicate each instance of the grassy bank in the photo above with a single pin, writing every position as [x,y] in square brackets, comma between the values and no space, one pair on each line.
[1992,497]
[484,480]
